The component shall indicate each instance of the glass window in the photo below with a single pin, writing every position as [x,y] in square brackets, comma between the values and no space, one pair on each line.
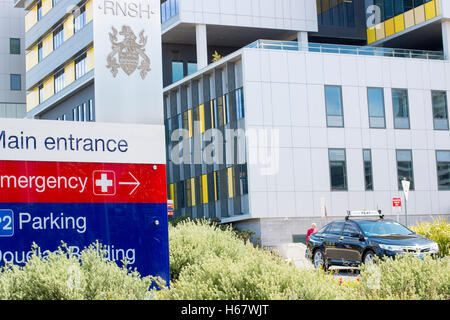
[14,46]
[375,98]
[443,169]
[243,179]
[80,66]
[79,19]
[349,230]
[338,170]
[59,81]
[405,168]
[401,108]
[177,71]
[336,228]
[41,93]
[382,228]
[240,103]
[191,68]
[40,52]
[368,174]
[39,11]
[333,101]
[440,110]
[15,82]
[58,37]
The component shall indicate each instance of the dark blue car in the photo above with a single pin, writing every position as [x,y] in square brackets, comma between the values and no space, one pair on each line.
[358,239]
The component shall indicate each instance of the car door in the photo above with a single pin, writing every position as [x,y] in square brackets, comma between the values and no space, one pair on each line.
[331,240]
[350,246]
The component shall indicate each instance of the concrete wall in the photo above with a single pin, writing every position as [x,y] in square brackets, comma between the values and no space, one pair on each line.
[11,26]
[285,91]
[298,15]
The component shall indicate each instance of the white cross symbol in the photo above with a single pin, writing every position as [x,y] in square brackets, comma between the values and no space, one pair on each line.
[104,182]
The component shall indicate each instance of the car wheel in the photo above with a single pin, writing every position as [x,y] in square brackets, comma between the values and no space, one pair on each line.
[369,256]
[319,260]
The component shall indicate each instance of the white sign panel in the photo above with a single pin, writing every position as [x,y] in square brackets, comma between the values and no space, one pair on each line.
[41,140]
[128,61]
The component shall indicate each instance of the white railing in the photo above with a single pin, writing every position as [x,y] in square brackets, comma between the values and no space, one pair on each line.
[345,49]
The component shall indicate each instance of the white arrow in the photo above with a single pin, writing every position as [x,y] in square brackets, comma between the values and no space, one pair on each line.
[136,183]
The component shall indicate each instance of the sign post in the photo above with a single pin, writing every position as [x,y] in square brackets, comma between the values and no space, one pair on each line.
[83,182]
[406,186]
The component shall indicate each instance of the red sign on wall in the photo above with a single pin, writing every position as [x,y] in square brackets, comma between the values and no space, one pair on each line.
[397,202]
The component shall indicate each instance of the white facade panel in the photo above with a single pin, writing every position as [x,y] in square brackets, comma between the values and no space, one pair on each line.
[297,102]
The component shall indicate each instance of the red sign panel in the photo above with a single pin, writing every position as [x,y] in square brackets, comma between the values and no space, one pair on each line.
[397,202]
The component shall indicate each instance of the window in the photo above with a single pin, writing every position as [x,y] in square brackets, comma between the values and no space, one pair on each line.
[443,169]
[58,37]
[440,110]
[240,103]
[39,11]
[79,19]
[333,101]
[59,81]
[338,170]
[55,2]
[243,179]
[368,174]
[15,82]
[375,98]
[80,66]
[14,46]
[336,228]
[40,52]
[41,93]
[405,168]
[191,68]
[177,71]
[401,108]
[349,230]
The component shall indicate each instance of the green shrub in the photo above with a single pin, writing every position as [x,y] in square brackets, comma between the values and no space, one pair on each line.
[63,276]
[207,263]
[438,231]
[406,278]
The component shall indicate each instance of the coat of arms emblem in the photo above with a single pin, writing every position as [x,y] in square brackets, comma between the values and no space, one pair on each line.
[131,54]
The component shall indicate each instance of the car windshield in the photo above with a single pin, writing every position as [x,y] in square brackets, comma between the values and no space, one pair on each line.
[383,228]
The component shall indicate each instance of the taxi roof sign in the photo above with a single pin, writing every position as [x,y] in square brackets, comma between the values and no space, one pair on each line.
[364,213]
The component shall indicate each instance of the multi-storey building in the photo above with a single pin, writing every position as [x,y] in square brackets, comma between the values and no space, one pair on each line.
[327,127]
[12,58]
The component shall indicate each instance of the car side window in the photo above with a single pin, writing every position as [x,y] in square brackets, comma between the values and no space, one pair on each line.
[336,228]
[349,229]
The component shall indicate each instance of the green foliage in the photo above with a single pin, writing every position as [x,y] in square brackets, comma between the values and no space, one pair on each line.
[207,263]
[61,275]
[406,278]
[438,231]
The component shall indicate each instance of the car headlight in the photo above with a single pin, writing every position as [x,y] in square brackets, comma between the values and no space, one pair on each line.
[434,248]
[389,247]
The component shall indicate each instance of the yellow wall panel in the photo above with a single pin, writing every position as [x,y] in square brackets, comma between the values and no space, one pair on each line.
[68,28]
[192,182]
[171,192]
[49,88]
[32,99]
[30,19]
[31,59]
[419,14]
[389,27]
[409,18]
[69,74]
[371,35]
[89,12]
[430,10]
[379,31]
[205,188]
[47,45]
[90,59]
[399,22]
[47,5]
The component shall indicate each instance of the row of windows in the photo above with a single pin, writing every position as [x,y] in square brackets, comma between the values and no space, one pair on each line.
[59,77]
[83,112]
[337,13]
[79,22]
[405,170]
[181,69]
[377,118]
[219,185]
[392,8]
[215,114]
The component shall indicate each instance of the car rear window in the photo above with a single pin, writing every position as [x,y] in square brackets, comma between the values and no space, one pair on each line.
[336,228]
